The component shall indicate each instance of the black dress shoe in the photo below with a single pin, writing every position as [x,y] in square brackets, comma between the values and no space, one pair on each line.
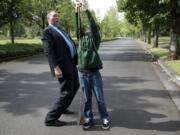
[68,112]
[56,123]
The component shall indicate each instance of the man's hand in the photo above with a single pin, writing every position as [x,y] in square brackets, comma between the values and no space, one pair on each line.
[58,72]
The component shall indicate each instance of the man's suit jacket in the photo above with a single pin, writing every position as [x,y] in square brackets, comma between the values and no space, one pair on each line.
[57,51]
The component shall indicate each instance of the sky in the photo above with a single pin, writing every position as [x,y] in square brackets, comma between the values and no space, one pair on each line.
[101,6]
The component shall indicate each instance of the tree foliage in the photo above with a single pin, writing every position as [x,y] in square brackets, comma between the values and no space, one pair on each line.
[66,11]
[110,25]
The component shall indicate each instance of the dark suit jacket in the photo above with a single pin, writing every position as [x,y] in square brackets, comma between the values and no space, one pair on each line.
[57,52]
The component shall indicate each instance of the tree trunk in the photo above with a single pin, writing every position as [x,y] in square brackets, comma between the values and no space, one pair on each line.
[174,30]
[144,35]
[69,30]
[178,35]
[12,25]
[141,34]
[43,21]
[156,36]
[149,35]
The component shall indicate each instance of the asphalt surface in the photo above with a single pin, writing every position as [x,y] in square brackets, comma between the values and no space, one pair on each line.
[137,101]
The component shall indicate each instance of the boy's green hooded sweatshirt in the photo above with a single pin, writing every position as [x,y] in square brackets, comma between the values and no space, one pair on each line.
[88,58]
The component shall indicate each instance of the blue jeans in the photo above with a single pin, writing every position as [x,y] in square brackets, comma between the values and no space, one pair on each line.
[92,82]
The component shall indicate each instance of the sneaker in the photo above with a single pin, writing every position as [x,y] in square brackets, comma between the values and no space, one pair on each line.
[105,124]
[87,123]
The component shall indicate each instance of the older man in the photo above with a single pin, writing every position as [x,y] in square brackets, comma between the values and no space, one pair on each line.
[62,57]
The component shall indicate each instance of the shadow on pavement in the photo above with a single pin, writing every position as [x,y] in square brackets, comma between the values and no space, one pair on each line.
[36,59]
[126,56]
[25,93]
[127,107]
[139,119]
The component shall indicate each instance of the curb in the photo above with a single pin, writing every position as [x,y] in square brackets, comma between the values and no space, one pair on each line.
[6,59]
[106,40]
[175,78]
[173,84]
[173,91]
[169,86]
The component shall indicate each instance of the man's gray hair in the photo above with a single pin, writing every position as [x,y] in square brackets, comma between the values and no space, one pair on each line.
[49,13]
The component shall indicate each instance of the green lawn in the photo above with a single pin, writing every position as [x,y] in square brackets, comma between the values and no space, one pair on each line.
[163,52]
[23,41]
[149,46]
[160,52]
[22,47]
[164,40]
[175,65]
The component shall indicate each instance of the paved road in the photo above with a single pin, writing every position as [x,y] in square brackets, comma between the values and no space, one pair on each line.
[137,101]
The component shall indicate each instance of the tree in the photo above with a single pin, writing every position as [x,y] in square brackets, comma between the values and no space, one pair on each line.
[139,11]
[13,10]
[10,12]
[5,8]
[163,10]
[38,10]
[135,12]
[110,24]
[174,15]
[67,13]
[128,29]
